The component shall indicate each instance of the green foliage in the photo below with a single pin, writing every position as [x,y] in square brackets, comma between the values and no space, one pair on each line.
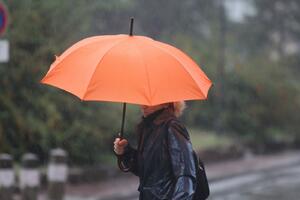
[35,117]
[202,139]
[261,101]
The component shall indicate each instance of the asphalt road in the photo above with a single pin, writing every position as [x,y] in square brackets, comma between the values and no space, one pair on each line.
[277,183]
[271,177]
[280,183]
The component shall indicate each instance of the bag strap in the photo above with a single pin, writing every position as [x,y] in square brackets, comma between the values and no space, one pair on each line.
[201,179]
[198,162]
[121,166]
[167,137]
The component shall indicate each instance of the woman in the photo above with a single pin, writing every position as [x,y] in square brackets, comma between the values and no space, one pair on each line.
[163,160]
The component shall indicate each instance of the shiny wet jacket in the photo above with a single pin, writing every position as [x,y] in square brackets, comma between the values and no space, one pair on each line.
[163,160]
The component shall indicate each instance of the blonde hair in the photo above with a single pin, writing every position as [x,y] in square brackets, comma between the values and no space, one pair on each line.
[179,106]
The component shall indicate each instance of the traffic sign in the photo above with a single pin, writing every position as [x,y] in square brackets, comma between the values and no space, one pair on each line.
[3,18]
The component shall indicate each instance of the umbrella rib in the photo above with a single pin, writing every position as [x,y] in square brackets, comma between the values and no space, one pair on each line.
[147,73]
[77,47]
[168,52]
[108,50]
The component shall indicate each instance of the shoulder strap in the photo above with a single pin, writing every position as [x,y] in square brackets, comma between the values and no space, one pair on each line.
[202,188]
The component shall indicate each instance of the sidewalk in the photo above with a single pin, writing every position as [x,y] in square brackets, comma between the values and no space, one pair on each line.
[125,187]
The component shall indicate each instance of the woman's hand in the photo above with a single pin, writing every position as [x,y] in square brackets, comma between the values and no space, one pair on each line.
[119,146]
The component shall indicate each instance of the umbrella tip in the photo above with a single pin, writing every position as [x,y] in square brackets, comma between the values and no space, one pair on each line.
[131,26]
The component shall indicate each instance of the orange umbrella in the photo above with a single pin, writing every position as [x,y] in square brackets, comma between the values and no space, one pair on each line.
[127,68]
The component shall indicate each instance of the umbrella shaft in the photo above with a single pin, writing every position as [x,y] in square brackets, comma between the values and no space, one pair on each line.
[131,26]
[123,121]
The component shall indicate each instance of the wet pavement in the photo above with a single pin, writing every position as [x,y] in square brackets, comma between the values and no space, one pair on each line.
[280,183]
[269,177]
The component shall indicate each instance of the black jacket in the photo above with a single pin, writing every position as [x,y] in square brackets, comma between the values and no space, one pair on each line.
[163,160]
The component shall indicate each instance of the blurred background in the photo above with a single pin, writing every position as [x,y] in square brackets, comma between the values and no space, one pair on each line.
[246,130]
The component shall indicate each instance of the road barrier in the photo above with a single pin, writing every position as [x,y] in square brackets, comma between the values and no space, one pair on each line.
[7,177]
[57,174]
[28,178]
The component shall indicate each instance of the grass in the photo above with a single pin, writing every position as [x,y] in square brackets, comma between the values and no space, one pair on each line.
[203,139]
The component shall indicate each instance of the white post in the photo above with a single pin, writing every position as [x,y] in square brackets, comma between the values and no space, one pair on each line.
[29,177]
[7,177]
[57,174]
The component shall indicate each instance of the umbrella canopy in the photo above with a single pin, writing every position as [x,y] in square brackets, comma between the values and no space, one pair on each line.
[127,68]
[124,68]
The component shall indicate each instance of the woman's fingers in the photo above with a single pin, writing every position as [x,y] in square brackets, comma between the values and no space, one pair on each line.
[116,140]
[123,143]
[119,145]
[120,142]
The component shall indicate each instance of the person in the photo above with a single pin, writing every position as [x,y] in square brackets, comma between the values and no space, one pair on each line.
[163,159]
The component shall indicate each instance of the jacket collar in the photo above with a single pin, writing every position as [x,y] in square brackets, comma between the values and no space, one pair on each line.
[159,116]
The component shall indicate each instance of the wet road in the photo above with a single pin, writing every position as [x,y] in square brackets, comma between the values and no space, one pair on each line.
[270,177]
[281,183]
[278,183]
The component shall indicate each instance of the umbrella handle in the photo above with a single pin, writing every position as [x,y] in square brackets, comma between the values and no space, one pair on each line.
[123,122]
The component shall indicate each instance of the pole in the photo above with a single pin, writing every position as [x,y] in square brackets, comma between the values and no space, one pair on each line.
[219,125]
